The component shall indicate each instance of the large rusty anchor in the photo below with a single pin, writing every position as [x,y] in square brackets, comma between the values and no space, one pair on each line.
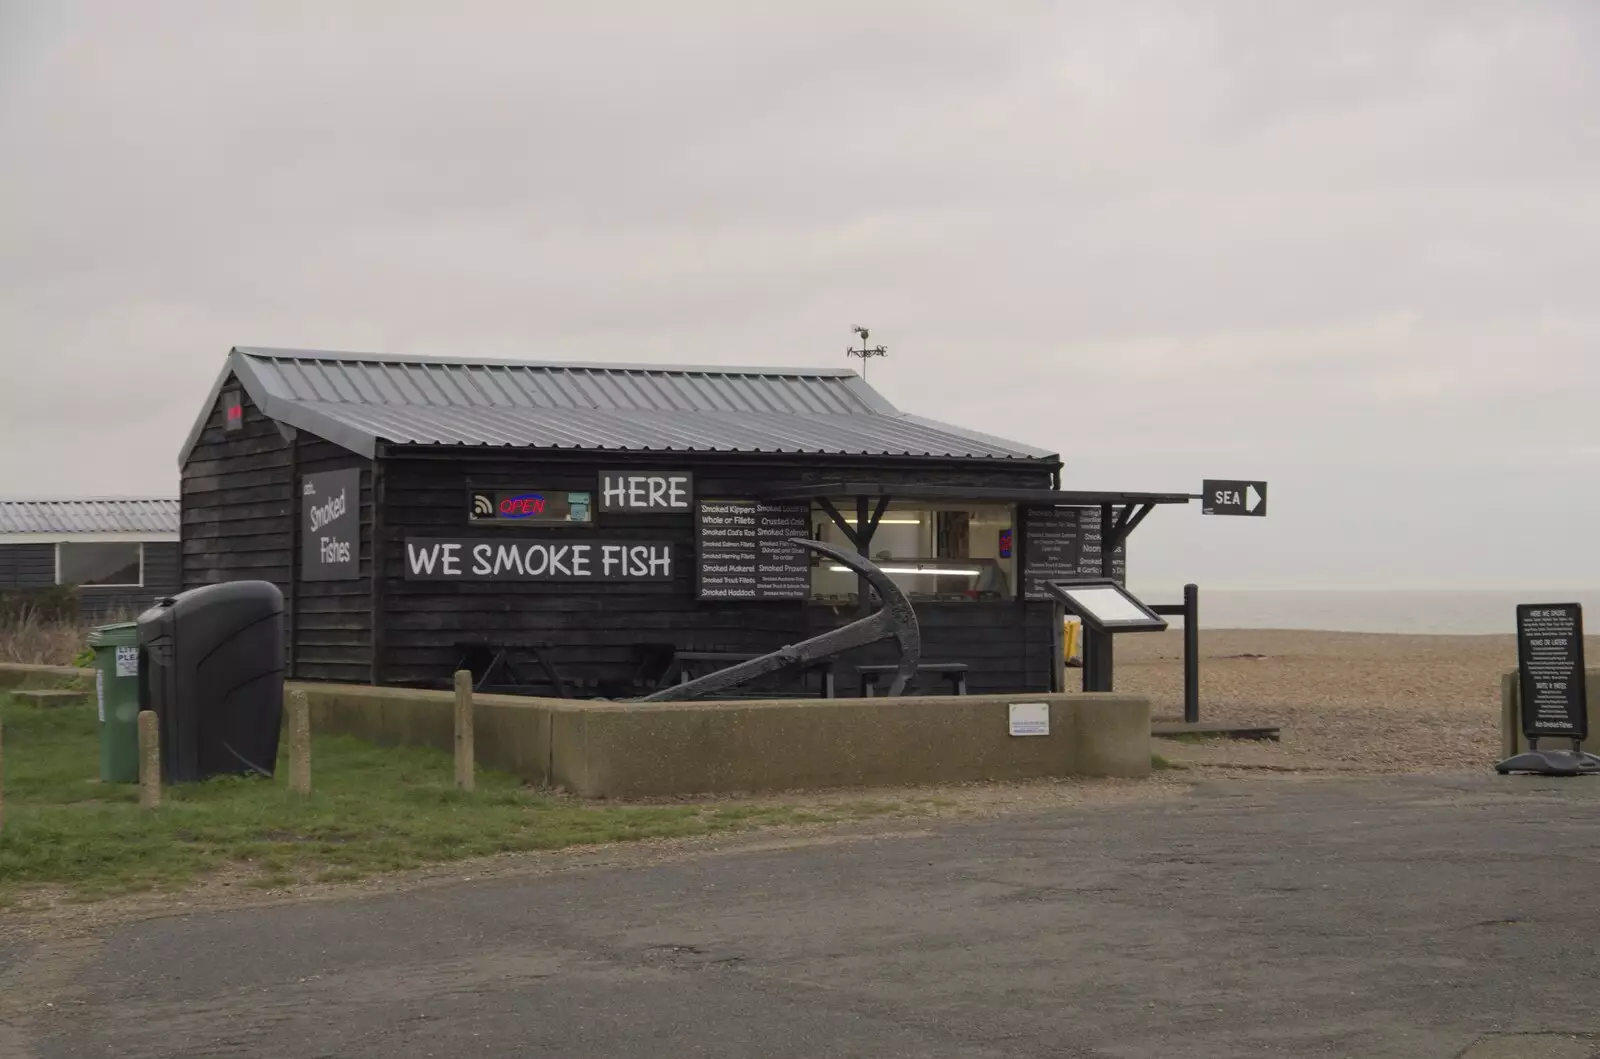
[895,619]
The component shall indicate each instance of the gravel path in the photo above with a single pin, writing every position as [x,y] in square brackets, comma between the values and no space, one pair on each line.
[1345,701]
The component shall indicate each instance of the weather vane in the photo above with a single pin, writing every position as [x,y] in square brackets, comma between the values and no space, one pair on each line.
[866,352]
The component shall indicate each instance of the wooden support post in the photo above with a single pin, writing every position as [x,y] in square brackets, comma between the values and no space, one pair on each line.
[149,760]
[299,742]
[464,758]
[863,543]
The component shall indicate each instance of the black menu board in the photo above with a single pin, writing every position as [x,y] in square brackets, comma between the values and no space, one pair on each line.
[1551,671]
[1061,543]
[744,552]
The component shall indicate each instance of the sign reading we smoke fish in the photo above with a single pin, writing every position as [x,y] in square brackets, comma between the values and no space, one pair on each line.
[497,559]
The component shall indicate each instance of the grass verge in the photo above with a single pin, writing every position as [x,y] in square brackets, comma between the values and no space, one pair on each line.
[372,810]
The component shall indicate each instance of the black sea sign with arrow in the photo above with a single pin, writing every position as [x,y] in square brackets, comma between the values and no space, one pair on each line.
[1229,497]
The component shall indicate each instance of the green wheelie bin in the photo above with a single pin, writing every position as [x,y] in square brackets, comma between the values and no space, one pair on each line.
[116,691]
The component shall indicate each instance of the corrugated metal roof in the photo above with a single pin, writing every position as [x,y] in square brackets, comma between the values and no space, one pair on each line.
[357,400]
[156,516]
[654,430]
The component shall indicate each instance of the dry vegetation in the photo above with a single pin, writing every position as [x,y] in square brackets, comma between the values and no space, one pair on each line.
[28,637]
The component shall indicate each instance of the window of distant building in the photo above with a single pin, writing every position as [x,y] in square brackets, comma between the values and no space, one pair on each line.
[101,564]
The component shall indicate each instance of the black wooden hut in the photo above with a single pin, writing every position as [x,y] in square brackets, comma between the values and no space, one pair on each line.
[589,522]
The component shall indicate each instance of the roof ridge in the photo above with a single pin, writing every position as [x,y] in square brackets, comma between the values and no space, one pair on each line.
[366,403]
[88,500]
[754,370]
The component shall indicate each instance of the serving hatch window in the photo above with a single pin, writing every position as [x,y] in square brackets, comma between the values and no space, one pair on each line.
[935,552]
[102,564]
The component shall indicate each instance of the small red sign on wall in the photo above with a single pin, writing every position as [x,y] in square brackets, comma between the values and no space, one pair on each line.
[232,412]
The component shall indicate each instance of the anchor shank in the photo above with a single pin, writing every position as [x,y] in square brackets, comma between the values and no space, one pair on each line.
[896,620]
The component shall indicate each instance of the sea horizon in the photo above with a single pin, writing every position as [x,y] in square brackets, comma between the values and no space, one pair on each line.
[1410,611]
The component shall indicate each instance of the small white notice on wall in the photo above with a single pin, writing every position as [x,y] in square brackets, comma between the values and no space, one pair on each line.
[1030,718]
[100,692]
[127,661]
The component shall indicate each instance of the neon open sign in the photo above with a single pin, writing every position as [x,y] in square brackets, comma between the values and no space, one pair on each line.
[525,506]
[528,505]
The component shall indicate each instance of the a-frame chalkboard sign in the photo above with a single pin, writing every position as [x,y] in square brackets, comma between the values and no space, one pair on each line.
[1551,690]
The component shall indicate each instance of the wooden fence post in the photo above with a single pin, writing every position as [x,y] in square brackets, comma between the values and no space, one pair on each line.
[299,742]
[149,760]
[464,756]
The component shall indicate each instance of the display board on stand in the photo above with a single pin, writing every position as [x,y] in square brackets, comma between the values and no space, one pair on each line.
[1552,691]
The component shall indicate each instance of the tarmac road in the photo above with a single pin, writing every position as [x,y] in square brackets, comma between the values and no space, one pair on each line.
[1413,917]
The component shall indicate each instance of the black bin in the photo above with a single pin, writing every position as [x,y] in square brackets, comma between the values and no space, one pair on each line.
[211,667]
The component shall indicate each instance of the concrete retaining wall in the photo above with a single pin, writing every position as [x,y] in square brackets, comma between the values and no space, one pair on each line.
[1512,740]
[510,732]
[634,750]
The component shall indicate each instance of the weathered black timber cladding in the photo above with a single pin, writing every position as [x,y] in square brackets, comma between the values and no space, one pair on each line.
[240,514]
[161,567]
[27,565]
[236,502]
[1008,646]
[595,629]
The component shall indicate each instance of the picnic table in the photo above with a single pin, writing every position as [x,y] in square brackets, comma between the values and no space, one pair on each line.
[954,672]
[684,665]
[486,661]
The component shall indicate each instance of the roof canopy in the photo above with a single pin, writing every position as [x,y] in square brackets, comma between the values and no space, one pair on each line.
[122,516]
[975,494]
[357,400]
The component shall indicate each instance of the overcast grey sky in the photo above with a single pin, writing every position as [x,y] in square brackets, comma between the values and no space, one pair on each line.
[1352,248]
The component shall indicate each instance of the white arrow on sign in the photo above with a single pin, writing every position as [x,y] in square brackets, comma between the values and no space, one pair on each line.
[1252,499]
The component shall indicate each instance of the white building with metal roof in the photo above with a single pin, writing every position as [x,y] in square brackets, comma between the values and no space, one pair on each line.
[117,553]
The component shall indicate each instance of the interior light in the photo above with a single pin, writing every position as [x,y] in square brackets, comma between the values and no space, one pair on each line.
[900,522]
[936,572]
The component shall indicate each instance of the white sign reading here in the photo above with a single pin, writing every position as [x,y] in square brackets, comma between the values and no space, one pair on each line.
[1030,718]
[637,491]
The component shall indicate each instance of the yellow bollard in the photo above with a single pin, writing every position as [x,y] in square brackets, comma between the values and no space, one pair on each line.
[149,760]
[464,758]
[299,742]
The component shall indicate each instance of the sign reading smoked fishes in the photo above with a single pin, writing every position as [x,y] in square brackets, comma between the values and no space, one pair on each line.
[498,559]
[330,525]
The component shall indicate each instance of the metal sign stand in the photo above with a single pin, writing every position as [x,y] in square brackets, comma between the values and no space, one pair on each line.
[1552,691]
[1189,610]
[1105,608]
[1574,762]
